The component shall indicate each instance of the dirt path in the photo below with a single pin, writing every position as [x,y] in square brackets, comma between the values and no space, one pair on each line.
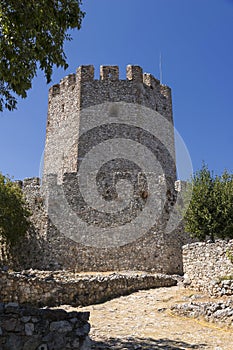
[142,321]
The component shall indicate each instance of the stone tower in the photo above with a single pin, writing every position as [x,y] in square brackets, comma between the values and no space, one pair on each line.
[80,91]
[83,114]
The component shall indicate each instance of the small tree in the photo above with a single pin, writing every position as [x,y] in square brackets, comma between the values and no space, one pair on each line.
[14,213]
[223,198]
[210,212]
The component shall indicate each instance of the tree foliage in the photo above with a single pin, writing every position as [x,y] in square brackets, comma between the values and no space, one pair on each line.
[210,212]
[14,213]
[32,34]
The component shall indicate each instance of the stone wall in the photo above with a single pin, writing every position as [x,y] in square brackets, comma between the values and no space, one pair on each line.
[27,328]
[45,248]
[43,288]
[209,267]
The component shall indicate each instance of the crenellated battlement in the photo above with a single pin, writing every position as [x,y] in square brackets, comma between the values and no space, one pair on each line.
[109,73]
[134,73]
[28,182]
[77,92]
[85,74]
[31,188]
[65,83]
[151,81]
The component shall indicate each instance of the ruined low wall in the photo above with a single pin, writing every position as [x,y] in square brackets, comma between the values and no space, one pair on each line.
[59,287]
[220,312]
[26,328]
[209,267]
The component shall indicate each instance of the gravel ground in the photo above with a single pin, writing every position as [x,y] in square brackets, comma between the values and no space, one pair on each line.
[143,320]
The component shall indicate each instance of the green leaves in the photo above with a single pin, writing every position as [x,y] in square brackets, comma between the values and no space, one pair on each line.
[210,212]
[32,32]
[13,211]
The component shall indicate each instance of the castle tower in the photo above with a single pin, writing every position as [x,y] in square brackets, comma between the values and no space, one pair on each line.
[79,91]
[107,131]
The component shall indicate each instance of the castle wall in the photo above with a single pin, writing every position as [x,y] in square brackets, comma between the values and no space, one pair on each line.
[209,267]
[45,248]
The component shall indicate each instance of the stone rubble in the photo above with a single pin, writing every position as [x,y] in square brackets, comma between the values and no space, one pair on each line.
[220,312]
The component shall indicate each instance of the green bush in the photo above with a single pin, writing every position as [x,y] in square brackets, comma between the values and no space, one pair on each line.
[14,213]
[210,212]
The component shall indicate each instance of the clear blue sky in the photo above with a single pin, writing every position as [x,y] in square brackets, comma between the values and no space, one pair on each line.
[196,41]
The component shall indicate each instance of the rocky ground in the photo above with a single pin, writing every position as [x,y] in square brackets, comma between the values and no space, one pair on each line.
[219,312]
[145,320]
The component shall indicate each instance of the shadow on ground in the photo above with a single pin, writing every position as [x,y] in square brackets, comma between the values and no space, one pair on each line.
[143,344]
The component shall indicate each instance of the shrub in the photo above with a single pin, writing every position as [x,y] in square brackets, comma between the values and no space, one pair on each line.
[210,212]
[14,213]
